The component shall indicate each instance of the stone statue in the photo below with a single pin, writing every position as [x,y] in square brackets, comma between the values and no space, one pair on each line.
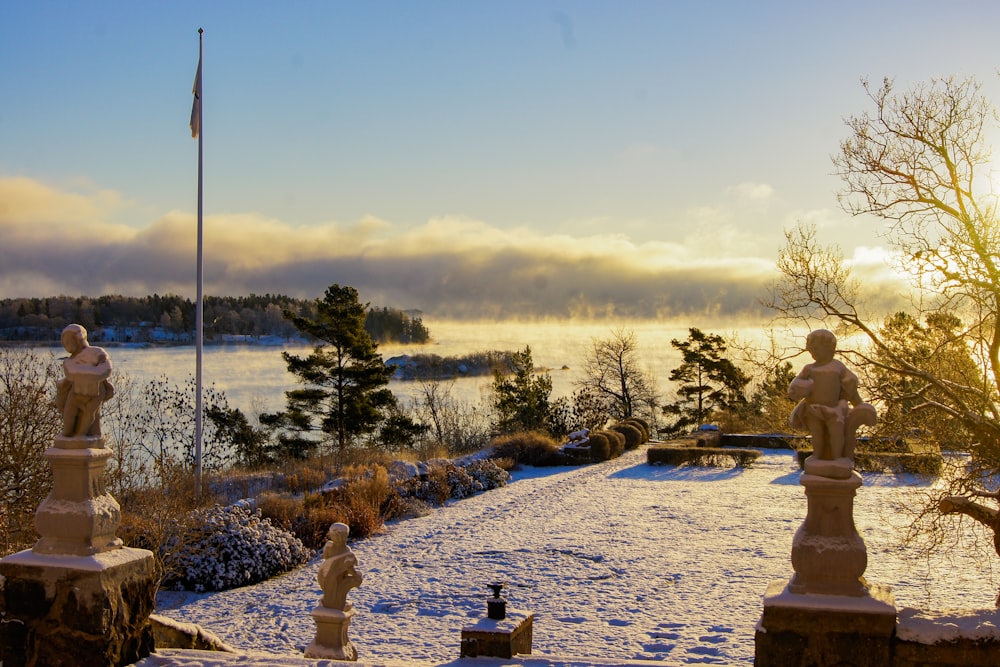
[829,407]
[85,387]
[337,573]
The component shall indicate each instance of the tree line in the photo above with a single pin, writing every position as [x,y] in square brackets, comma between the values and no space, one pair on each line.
[128,319]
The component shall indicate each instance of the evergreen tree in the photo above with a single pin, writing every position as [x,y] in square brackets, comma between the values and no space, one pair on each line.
[521,401]
[709,381]
[344,381]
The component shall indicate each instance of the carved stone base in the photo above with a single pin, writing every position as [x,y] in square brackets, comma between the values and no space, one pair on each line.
[63,611]
[498,638]
[78,517]
[828,555]
[331,640]
[800,629]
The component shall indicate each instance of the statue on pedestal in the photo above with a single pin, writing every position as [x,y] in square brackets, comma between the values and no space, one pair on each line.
[828,554]
[827,613]
[829,407]
[80,394]
[337,575]
[78,596]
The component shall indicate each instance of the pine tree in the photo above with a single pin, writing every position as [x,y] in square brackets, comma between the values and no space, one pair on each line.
[521,401]
[344,380]
[709,381]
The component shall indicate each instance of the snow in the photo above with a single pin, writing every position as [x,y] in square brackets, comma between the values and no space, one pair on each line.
[930,627]
[618,561]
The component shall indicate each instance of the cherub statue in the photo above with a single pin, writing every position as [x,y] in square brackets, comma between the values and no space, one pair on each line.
[80,394]
[337,573]
[828,390]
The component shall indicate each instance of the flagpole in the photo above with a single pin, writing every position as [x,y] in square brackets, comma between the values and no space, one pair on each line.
[200,308]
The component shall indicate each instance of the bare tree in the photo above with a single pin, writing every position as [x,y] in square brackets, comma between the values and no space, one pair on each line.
[29,422]
[455,424]
[920,163]
[612,372]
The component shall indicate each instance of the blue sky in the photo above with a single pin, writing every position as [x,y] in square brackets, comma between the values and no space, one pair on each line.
[472,159]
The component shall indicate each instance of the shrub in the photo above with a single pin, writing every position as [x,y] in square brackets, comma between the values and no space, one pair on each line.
[616,442]
[504,463]
[312,525]
[632,434]
[147,513]
[461,483]
[701,456]
[640,424]
[488,473]
[532,448]
[399,507]
[926,463]
[368,486]
[435,489]
[432,488]
[281,510]
[305,479]
[218,548]
[600,446]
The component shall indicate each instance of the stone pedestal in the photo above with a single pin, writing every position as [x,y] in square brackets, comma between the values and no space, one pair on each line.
[78,517]
[331,640]
[819,630]
[498,638]
[76,611]
[77,598]
[828,555]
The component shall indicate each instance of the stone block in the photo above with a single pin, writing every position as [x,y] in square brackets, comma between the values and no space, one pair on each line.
[951,638]
[76,611]
[498,638]
[958,653]
[816,630]
[331,641]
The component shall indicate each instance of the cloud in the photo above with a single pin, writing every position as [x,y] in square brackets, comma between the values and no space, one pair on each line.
[59,243]
[751,192]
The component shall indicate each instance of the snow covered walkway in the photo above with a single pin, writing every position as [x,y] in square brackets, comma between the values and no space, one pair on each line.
[617,560]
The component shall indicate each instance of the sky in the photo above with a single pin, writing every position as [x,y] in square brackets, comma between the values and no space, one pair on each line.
[469,159]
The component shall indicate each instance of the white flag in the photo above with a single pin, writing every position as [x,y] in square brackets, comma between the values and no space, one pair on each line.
[196,107]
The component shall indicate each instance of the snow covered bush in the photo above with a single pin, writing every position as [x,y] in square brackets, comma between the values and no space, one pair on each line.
[217,548]
[444,480]
[488,473]
[432,487]
[461,483]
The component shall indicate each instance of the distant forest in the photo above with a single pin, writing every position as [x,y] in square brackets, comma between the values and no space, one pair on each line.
[170,318]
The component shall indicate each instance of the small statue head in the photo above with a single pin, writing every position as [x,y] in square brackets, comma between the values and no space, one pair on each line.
[338,533]
[73,338]
[821,344]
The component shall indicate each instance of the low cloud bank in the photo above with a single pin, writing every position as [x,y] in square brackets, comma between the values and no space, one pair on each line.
[58,243]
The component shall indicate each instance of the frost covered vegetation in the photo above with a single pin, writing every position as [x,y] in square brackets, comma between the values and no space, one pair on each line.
[218,547]
[226,546]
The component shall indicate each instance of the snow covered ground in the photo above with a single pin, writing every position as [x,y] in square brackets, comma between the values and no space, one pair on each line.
[617,560]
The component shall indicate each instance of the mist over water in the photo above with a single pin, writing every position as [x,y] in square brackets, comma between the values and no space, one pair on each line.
[254,377]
